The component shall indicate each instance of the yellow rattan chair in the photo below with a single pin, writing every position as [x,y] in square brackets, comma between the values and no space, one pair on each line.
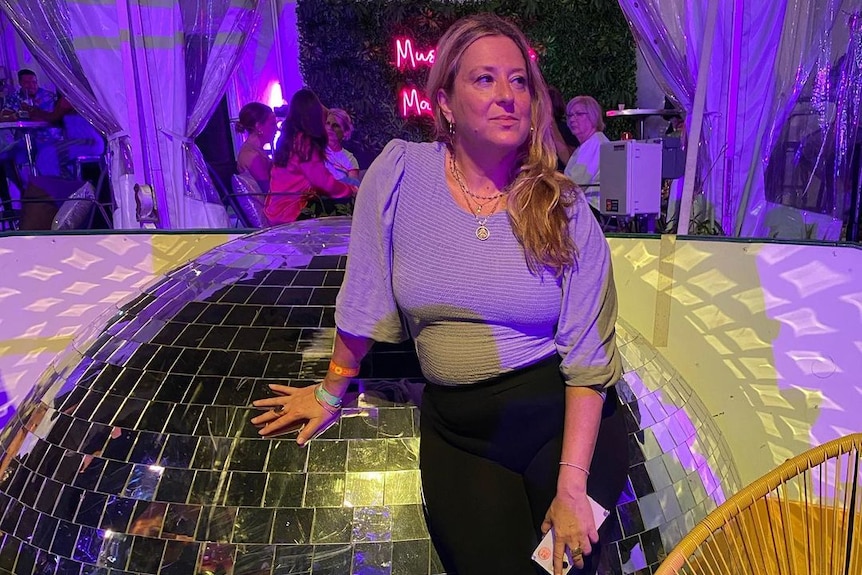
[803,518]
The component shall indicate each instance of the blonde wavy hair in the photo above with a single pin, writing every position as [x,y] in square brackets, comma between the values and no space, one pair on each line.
[539,195]
[591,107]
[343,119]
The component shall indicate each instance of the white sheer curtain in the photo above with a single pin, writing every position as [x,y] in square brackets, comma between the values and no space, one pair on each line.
[191,49]
[257,73]
[148,74]
[780,50]
[776,43]
[668,34]
[79,46]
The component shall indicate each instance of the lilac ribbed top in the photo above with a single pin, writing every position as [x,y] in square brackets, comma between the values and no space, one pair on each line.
[473,308]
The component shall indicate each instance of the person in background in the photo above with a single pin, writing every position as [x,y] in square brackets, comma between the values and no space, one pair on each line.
[299,174]
[260,124]
[489,258]
[564,140]
[30,95]
[29,100]
[19,105]
[339,161]
[78,139]
[584,116]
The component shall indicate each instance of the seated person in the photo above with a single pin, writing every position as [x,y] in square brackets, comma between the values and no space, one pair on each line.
[29,102]
[29,95]
[584,117]
[339,161]
[259,122]
[79,139]
[299,174]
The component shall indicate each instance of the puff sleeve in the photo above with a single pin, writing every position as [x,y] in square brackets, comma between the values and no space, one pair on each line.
[366,304]
[585,336]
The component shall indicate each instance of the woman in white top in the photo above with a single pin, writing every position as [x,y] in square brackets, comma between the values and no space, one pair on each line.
[584,118]
[340,162]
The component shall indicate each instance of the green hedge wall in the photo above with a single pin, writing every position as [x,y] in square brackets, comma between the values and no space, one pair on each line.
[347,54]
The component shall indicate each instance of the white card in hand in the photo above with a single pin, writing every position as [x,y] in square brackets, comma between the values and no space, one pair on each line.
[544,553]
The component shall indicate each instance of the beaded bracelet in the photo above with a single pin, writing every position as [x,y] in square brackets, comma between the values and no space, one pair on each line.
[576,466]
[326,399]
[325,405]
[343,371]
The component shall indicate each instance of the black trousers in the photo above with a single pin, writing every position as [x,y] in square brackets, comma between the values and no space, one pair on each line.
[489,459]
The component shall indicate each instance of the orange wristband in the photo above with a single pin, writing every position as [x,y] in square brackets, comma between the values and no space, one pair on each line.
[343,371]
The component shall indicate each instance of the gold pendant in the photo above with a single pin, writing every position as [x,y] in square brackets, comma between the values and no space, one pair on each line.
[483,233]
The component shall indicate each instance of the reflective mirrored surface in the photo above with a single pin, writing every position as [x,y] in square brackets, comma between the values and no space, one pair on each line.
[135,454]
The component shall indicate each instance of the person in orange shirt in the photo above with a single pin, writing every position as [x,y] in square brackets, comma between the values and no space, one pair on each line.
[299,174]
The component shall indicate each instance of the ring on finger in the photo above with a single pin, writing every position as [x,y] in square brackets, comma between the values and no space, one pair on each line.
[278,408]
[577,552]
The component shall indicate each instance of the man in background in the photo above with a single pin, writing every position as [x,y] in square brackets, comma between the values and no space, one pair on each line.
[26,103]
[29,95]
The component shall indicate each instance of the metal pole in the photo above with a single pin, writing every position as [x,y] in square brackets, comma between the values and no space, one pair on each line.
[697,120]
[731,119]
[150,148]
[855,215]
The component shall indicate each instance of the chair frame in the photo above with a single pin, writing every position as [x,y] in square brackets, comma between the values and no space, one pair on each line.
[731,515]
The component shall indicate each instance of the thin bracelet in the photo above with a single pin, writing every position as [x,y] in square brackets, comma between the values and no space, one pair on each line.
[325,405]
[576,466]
[324,397]
[343,371]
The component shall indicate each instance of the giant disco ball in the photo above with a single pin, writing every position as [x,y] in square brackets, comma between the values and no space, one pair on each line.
[134,453]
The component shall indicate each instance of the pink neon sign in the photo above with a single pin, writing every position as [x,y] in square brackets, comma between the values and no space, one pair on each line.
[413,103]
[407,57]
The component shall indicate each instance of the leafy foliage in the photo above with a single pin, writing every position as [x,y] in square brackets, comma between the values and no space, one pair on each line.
[347,54]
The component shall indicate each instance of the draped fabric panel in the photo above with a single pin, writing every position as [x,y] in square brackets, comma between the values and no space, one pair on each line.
[79,46]
[257,73]
[150,69]
[778,44]
[669,35]
[199,41]
[809,179]
[780,53]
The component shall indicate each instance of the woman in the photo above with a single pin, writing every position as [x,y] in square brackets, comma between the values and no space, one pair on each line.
[584,117]
[564,140]
[339,161]
[259,122]
[299,173]
[503,279]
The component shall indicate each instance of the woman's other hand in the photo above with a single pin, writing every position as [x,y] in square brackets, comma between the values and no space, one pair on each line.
[571,516]
[291,408]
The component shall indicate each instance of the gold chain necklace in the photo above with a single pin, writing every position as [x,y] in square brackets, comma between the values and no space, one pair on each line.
[482,231]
